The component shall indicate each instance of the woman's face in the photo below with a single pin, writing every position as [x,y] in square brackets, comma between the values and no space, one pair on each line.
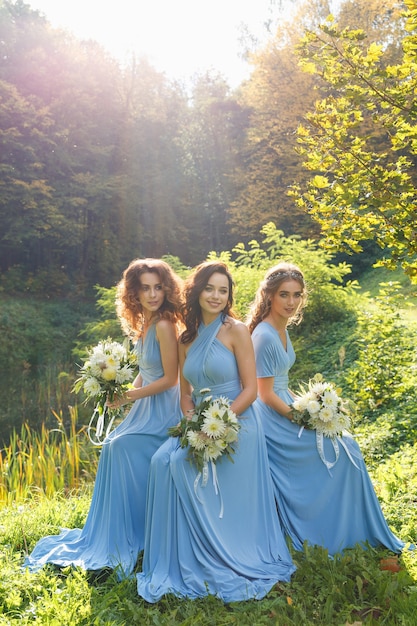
[151,294]
[215,295]
[287,299]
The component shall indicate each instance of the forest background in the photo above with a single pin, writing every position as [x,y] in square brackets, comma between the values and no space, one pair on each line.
[102,163]
[312,159]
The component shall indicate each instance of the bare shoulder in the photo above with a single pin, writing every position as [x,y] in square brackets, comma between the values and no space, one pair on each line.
[237,328]
[164,323]
[165,328]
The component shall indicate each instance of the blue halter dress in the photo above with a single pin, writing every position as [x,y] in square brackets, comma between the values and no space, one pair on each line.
[113,534]
[192,549]
[335,508]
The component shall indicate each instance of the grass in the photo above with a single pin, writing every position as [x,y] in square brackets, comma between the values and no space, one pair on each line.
[352,588]
[370,282]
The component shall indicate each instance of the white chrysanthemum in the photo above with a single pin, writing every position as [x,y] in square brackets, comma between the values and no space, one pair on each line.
[202,392]
[124,374]
[213,427]
[95,369]
[97,353]
[330,398]
[213,411]
[220,444]
[326,414]
[313,407]
[343,421]
[329,430]
[197,440]
[318,388]
[92,387]
[300,403]
[232,417]
[118,351]
[111,361]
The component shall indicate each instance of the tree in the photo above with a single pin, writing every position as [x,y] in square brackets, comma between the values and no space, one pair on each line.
[277,94]
[360,142]
[211,139]
[27,212]
[92,150]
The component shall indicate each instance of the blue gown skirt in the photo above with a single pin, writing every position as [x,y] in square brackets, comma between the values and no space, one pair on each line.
[113,535]
[333,507]
[199,542]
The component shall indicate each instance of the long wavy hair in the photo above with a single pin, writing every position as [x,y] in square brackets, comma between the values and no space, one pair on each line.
[129,309]
[193,287]
[272,281]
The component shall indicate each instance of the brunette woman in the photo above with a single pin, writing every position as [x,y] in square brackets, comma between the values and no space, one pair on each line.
[220,538]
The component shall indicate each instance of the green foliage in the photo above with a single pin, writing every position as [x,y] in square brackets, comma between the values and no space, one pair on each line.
[330,296]
[372,277]
[395,480]
[35,359]
[389,430]
[105,324]
[101,163]
[380,376]
[176,264]
[360,142]
[277,96]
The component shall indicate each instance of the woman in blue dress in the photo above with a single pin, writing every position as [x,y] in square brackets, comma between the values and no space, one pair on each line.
[148,303]
[325,504]
[221,537]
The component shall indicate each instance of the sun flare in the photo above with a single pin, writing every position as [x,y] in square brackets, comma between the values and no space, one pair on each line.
[179,37]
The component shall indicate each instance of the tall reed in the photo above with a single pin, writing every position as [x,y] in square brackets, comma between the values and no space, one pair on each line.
[57,459]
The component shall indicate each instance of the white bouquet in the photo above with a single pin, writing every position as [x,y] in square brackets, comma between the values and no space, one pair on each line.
[321,408]
[210,432]
[107,372]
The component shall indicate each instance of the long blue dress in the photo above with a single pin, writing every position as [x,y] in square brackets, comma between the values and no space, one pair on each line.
[190,550]
[334,508]
[113,534]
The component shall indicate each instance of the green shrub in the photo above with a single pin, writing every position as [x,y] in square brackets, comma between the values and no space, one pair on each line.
[382,374]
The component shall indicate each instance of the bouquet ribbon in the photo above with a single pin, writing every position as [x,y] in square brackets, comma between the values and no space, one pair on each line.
[335,443]
[204,476]
[101,411]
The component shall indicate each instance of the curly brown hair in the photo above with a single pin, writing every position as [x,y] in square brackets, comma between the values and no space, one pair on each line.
[276,275]
[128,306]
[193,287]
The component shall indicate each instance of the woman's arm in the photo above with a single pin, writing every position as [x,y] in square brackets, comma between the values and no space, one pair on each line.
[242,347]
[268,395]
[186,401]
[166,335]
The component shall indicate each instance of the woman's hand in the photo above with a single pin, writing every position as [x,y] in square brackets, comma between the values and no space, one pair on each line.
[118,401]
